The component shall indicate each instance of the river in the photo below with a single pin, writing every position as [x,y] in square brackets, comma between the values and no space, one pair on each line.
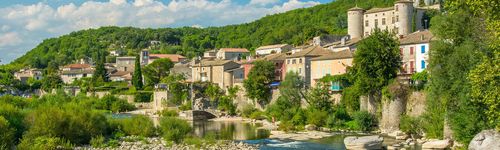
[249,133]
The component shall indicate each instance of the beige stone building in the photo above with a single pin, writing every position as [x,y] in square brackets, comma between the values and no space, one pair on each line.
[273,49]
[224,73]
[73,72]
[335,63]
[300,62]
[126,64]
[232,53]
[24,74]
[398,19]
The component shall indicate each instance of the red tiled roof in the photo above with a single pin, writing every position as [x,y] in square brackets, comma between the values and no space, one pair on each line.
[77,66]
[172,57]
[241,50]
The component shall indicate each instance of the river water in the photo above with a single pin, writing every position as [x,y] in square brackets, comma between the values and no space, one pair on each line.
[249,133]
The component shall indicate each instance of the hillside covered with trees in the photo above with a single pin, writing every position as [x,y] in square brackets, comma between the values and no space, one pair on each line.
[293,27]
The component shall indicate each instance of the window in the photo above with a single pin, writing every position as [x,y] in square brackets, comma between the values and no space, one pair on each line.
[288,61]
[393,20]
[423,65]
[411,67]
[383,21]
[300,71]
[397,18]
[422,49]
[411,50]
[300,60]
[366,33]
[366,23]
[294,61]
[401,51]
[396,8]
[376,23]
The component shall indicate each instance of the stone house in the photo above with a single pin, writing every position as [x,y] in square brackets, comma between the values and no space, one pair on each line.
[272,49]
[335,63]
[300,62]
[126,64]
[224,73]
[147,58]
[24,74]
[232,53]
[414,50]
[72,72]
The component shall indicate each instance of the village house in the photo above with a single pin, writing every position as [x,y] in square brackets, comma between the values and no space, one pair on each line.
[126,64]
[300,62]
[211,54]
[414,49]
[325,39]
[278,60]
[121,76]
[335,63]
[344,44]
[24,74]
[147,58]
[224,73]
[272,49]
[232,53]
[72,72]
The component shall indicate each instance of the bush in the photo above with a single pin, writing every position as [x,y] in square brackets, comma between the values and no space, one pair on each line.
[338,118]
[137,125]
[45,143]
[286,126]
[174,129]
[226,104]
[247,110]
[7,134]
[186,106]
[299,117]
[98,141]
[121,106]
[110,102]
[258,115]
[168,113]
[364,120]
[143,96]
[14,117]
[410,125]
[317,117]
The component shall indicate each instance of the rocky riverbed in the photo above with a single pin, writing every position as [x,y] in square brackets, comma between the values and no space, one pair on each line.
[160,144]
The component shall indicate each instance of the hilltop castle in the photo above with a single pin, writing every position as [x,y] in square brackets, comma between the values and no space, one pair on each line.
[398,19]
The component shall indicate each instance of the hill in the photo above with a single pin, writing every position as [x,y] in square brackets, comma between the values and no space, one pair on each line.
[293,27]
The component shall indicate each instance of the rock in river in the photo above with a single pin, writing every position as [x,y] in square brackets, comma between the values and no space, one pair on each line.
[364,142]
[486,139]
[437,144]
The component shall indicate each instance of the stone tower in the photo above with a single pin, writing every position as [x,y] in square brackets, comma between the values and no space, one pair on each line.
[405,10]
[355,22]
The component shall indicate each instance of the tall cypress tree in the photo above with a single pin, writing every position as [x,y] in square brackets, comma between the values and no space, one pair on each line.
[100,73]
[137,77]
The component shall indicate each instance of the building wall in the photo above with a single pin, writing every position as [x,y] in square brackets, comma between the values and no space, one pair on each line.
[422,56]
[125,64]
[355,23]
[70,78]
[376,20]
[296,65]
[408,58]
[321,68]
[229,55]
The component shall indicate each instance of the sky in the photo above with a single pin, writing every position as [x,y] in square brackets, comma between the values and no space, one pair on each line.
[26,23]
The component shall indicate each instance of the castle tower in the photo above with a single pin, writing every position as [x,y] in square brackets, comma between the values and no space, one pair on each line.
[355,22]
[405,10]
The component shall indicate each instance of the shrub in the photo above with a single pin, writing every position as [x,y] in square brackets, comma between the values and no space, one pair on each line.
[258,115]
[121,106]
[174,129]
[137,125]
[286,126]
[317,117]
[7,134]
[168,113]
[98,141]
[143,96]
[364,120]
[247,110]
[338,118]
[226,104]
[14,117]
[299,118]
[186,106]
[44,143]
[410,125]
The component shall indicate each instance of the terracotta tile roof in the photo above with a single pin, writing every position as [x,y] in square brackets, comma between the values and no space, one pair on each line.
[172,57]
[217,62]
[276,57]
[375,10]
[310,51]
[335,55]
[424,36]
[271,46]
[86,71]
[77,66]
[241,50]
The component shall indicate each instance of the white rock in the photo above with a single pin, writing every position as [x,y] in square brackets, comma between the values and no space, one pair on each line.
[486,139]
[437,144]
[365,142]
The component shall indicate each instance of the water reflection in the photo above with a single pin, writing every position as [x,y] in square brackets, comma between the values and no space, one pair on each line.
[229,130]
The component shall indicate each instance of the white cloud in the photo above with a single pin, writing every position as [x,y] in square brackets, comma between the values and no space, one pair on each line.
[33,23]
[9,39]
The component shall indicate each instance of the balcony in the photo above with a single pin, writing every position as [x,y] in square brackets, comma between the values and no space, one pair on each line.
[336,87]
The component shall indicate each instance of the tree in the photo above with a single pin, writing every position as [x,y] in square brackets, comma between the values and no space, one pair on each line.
[376,61]
[51,81]
[259,78]
[137,77]
[176,88]
[319,97]
[292,88]
[100,73]
[157,70]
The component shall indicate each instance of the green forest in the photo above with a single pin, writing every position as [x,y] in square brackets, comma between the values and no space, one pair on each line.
[295,27]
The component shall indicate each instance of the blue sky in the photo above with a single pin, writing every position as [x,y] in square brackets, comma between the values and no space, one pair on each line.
[25,23]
